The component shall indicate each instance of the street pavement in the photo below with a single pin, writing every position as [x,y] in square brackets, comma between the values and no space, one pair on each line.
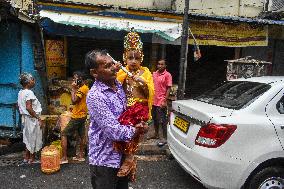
[154,172]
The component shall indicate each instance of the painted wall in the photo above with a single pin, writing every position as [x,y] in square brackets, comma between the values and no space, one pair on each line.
[23,5]
[148,4]
[16,50]
[245,8]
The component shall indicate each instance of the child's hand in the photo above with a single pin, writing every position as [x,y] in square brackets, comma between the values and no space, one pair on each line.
[138,79]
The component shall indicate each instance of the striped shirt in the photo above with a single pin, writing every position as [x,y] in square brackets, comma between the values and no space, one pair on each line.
[105,106]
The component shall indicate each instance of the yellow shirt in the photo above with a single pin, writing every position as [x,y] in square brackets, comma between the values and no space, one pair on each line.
[80,109]
[147,77]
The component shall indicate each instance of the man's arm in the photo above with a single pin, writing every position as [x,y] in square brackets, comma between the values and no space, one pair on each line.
[104,118]
[168,87]
[30,109]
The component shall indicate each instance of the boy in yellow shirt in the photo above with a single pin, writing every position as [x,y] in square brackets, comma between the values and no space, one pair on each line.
[78,118]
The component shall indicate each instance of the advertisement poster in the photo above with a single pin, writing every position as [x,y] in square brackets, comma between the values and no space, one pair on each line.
[55,53]
[55,59]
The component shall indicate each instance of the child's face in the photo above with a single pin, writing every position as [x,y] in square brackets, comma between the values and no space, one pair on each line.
[133,60]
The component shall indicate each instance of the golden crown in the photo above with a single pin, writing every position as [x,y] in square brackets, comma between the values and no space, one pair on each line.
[132,41]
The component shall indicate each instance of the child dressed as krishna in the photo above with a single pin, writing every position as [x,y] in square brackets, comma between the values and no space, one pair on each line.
[139,89]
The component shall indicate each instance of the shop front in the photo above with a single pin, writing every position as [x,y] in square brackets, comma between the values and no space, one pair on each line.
[69,36]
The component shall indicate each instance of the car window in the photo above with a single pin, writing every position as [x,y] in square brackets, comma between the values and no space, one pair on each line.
[280,105]
[234,94]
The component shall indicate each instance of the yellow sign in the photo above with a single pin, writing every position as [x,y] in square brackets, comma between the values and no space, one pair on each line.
[228,34]
[55,53]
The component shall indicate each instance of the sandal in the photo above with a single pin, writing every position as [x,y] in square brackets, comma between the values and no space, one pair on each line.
[34,161]
[78,159]
[63,161]
[24,162]
[126,167]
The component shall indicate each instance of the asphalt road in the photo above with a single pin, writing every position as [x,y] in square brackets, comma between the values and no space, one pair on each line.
[155,174]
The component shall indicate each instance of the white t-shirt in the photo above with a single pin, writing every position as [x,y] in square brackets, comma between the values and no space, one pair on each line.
[23,96]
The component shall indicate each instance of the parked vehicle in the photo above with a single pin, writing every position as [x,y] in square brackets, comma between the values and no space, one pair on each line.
[233,135]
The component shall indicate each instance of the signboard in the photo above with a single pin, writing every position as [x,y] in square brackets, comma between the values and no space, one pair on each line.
[55,59]
[228,34]
[55,53]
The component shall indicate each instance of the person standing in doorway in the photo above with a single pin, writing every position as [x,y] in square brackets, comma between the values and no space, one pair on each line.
[30,110]
[78,118]
[162,85]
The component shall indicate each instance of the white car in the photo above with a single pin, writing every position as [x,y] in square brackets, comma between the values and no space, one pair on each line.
[232,136]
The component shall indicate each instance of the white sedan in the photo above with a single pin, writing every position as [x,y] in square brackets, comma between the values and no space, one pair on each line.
[233,135]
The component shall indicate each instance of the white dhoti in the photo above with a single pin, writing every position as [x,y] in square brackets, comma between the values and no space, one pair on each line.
[32,133]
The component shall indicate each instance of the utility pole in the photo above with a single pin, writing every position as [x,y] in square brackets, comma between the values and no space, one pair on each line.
[183,53]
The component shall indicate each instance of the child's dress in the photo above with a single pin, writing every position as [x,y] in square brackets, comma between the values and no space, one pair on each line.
[32,133]
[138,109]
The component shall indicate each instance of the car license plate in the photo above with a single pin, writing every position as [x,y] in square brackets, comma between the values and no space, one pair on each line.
[181,124]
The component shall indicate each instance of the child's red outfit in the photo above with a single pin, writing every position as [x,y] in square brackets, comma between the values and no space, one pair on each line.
[133,115]
[138,109]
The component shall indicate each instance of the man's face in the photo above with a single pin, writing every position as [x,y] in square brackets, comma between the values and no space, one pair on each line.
[106,69]
[161,66]
[133,60]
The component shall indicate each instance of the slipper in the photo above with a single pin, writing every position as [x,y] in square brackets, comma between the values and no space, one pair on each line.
[78,159]
[161,144]
[63,162]
[24,162]
[34,162]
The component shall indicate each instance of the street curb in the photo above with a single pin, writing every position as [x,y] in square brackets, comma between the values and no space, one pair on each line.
[12,148]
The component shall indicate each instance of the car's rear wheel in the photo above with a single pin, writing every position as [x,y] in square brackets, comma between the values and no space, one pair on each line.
[268,178]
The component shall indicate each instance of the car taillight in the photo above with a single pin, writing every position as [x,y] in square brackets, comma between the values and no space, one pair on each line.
[214,135]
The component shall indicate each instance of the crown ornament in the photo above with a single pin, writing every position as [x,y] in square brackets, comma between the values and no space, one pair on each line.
[132,41]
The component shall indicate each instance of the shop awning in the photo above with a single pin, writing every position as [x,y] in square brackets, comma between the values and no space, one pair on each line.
[167,30]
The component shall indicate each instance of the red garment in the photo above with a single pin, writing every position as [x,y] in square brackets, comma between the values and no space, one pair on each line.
[133,115]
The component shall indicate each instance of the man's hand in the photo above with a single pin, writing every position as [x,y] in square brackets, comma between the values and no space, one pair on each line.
[117,66]
[164,103]
[41,124]
[74,85]
[141,128]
